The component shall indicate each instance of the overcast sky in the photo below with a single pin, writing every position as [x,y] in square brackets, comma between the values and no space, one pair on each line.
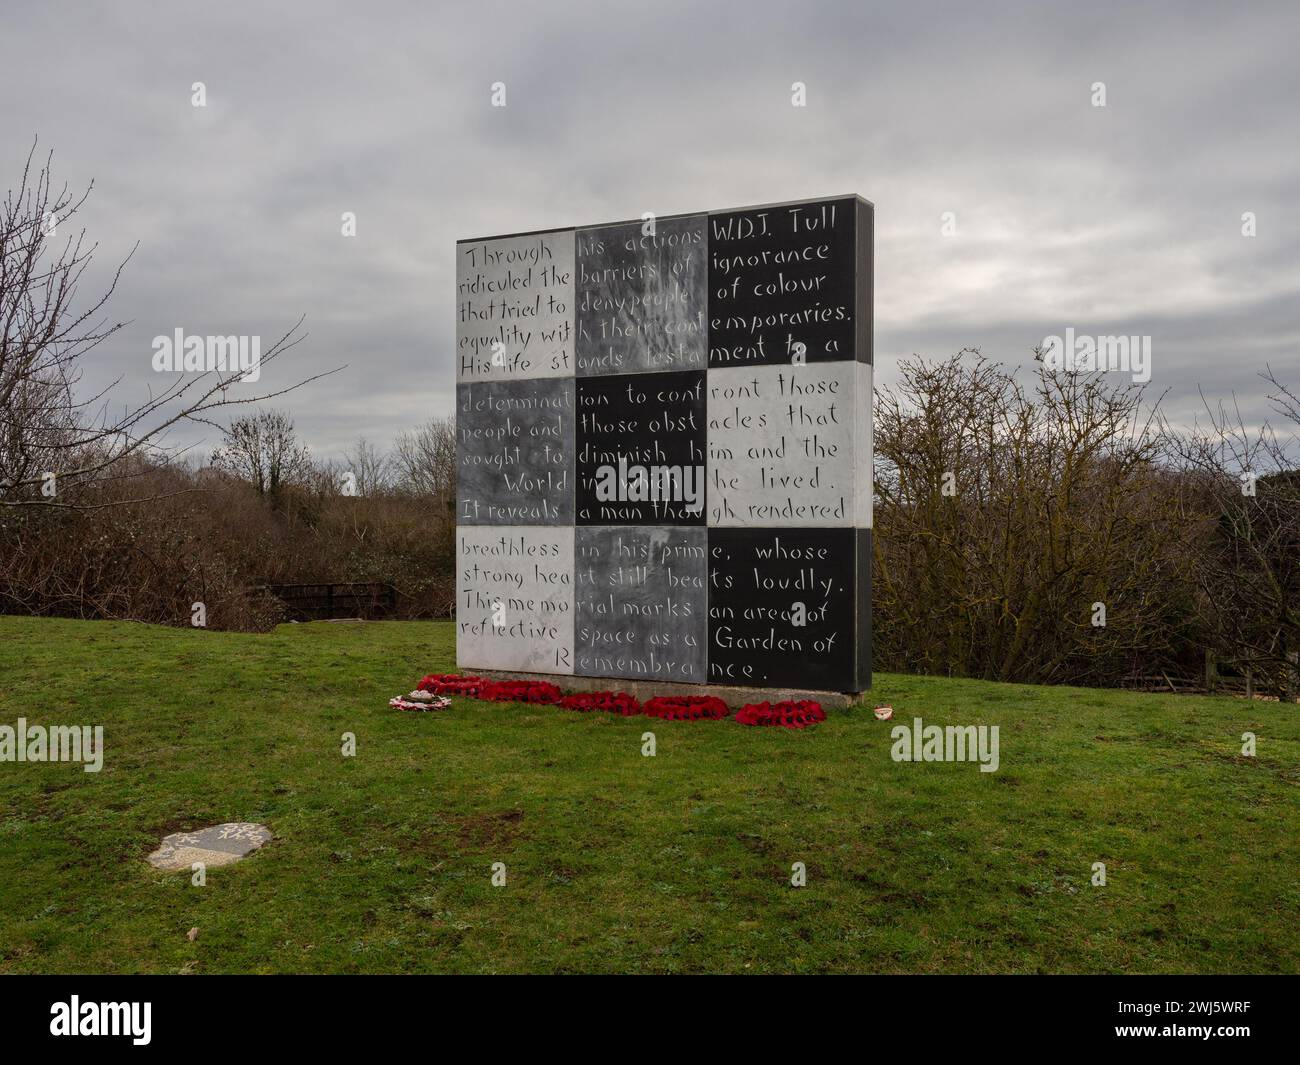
[1123,219]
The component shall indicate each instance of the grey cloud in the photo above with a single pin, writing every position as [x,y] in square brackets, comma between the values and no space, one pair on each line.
[1123,219]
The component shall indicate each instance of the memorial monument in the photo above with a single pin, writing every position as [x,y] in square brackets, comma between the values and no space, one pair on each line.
[664,449]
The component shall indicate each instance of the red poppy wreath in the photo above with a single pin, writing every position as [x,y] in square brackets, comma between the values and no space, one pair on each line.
[607,702]
[520,691]
[451,684]
[686,707]
[787,714]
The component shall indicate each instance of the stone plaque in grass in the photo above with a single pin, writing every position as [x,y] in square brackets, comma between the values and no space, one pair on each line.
[218,845]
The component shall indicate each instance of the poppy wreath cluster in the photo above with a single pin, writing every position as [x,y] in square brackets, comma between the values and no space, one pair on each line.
[786,714]
[686,707]
[520,691]
[608,702]
[451,684]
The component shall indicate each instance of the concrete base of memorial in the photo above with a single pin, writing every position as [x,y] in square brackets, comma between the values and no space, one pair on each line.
[643,690]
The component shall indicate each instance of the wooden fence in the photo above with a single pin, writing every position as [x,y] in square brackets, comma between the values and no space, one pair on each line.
[1241,682]
[320,602]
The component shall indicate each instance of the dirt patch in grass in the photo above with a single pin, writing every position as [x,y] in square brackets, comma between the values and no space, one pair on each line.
[488,830]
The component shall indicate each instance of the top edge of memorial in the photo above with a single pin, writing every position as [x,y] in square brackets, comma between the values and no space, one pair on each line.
[668,217]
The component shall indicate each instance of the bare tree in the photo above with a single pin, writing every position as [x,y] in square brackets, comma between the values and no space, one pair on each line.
[371,469]
[53,442]
[1248,579]
[263,450]
[426,461]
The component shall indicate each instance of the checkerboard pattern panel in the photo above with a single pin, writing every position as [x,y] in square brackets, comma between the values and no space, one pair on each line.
[664,449]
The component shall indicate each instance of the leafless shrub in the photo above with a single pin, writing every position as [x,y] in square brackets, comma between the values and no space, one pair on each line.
[1247,582]
[1023,533]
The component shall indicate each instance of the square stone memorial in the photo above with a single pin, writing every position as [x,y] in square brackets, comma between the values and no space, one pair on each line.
[787,445]
[642,298]
[514,452]
[514,598]
[640,595]
[639,441]
[783,607]
[664,449]
[514,307]
[783,284]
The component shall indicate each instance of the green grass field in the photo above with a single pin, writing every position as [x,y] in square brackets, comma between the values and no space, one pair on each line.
[617,862]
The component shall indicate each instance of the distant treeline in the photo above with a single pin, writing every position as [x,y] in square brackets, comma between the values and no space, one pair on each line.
[1060,531]
[1054,531]
[152,540]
